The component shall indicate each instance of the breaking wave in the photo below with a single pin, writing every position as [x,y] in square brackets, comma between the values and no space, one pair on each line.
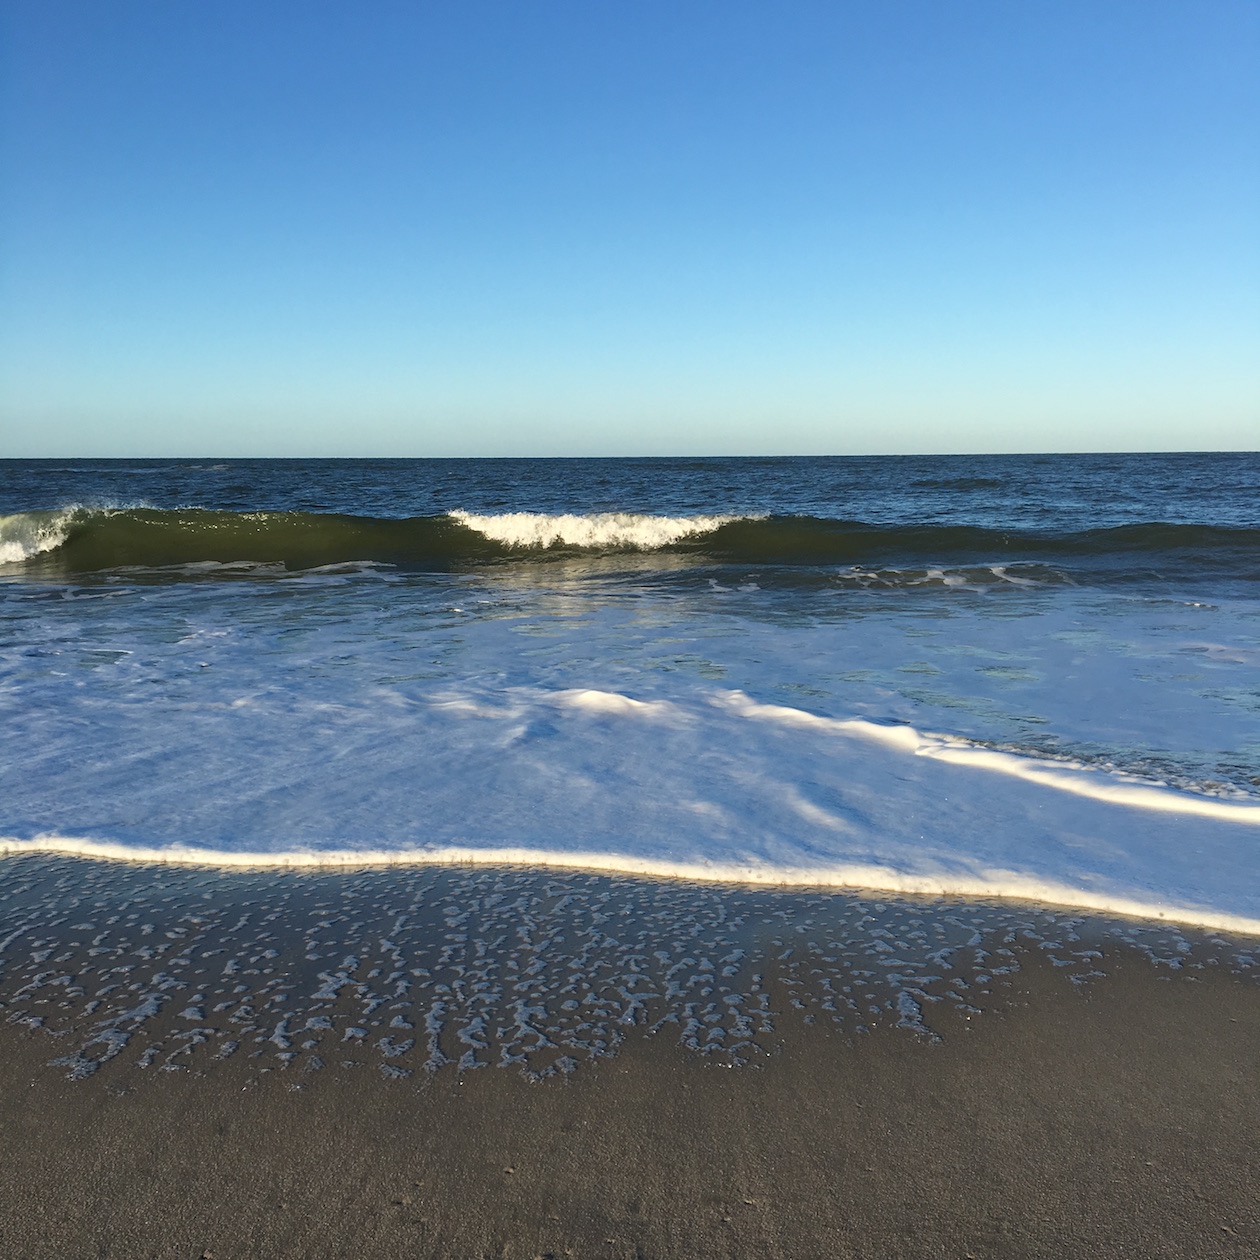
[86,540]
[600,531]
[25,535]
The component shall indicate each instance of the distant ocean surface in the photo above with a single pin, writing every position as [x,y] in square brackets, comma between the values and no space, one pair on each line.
[1032,677]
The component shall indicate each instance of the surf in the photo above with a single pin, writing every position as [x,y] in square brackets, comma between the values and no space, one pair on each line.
[77,539]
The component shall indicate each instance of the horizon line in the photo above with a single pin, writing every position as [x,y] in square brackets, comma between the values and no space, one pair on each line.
[645,458]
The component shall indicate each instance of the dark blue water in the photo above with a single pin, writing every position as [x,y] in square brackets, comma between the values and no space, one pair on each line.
[1061,492]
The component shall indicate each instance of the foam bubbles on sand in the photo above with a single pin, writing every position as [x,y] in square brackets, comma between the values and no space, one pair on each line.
[408,972]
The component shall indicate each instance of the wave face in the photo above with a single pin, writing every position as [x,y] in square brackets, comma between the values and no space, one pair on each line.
[87,540]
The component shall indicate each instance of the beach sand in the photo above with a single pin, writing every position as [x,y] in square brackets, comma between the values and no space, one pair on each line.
[1116,1117]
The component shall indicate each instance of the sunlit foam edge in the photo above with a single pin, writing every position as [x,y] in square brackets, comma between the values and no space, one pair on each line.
[1071,777]
[995,885]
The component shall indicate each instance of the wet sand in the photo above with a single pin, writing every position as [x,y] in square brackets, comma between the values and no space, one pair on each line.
[1115,1118]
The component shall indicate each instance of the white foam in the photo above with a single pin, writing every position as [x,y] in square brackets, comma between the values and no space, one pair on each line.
[27,534]
[1000,571]
[597,530]
[990,884]
[589,700]
[1070,777]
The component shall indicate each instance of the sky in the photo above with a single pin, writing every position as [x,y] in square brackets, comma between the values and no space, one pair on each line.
[553,228]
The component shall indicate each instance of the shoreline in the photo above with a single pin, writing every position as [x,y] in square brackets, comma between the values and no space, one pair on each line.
[859,881]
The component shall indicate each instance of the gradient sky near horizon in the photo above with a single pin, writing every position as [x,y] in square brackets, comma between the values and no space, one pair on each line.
[561,228]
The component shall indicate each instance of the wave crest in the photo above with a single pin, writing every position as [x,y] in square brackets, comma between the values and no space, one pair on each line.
[597,531]
[27,534]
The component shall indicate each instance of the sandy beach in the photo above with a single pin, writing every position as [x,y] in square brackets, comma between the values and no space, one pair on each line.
[1111,1117]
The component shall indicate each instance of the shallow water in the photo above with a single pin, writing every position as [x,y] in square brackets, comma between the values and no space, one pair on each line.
[1030,677]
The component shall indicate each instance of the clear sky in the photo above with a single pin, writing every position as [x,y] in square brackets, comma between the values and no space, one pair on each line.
[641,228]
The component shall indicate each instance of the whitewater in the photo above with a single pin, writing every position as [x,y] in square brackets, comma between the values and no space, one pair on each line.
[1017,680]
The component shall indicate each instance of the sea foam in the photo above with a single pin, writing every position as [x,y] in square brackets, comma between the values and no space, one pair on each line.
[1063,776]
[453,969]
[27,534]
[687,789]
[630,530]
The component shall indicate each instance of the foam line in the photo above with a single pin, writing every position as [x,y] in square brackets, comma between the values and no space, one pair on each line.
[1063,777]
[989,884]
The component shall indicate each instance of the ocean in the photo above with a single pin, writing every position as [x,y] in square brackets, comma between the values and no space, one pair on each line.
[1017,678]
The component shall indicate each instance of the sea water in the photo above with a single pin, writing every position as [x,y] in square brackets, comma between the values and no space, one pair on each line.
[1015,677]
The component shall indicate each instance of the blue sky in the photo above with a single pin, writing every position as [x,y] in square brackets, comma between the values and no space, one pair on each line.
[552,228]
